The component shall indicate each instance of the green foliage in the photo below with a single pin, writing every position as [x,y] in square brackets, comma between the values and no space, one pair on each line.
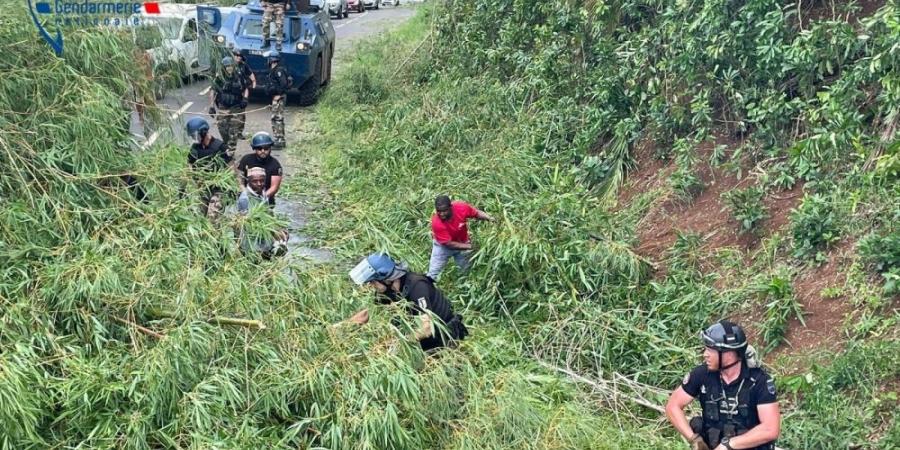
[781,307]
[814,225]
[848,393]
[746,206]
[882,252]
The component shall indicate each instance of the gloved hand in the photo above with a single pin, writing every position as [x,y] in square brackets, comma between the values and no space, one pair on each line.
[212,110]
[698,444]
[243,103]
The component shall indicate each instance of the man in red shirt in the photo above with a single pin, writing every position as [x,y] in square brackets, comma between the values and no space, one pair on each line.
[451,234]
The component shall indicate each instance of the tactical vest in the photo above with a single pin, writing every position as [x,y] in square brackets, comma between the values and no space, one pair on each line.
[738,418]
[231,92]
[438,305]
[210,162]
[279,81]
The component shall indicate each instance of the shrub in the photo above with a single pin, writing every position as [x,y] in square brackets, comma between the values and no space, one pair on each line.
[746,206]
[882,253]
[814,225]
[685,183]
[781,307]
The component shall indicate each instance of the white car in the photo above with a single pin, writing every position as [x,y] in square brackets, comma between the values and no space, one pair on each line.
[371,3]
[338,8]
[180,45]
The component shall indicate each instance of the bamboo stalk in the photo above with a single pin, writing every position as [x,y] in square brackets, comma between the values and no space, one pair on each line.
[144,330]
[249,323]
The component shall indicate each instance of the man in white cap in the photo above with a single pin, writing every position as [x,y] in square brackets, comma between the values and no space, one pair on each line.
[395,281]
[254,194]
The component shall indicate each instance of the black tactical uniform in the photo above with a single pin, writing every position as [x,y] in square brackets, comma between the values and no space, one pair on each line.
[729,410]
[209,158]
[421,295]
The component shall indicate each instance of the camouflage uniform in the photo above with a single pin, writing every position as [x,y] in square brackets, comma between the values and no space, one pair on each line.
[229,122]
[278,121]
[230,115]
[273,9]
[278,83]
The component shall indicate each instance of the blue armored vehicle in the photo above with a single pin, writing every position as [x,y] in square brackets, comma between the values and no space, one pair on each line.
[307,48]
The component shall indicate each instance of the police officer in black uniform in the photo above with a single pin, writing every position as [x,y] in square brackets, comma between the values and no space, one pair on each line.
[394,282]
[207,154]
[249,79]
[277,84]
[740,407]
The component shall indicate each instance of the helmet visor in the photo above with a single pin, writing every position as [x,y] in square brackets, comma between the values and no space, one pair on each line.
[363,272]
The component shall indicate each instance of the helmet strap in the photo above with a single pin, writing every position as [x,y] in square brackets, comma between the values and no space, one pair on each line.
[721,367]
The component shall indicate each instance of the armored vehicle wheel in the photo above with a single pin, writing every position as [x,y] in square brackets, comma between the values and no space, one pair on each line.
[309,93]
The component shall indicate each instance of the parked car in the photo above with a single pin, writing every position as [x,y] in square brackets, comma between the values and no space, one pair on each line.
[338,8]
[374,4]
[178,44]
[391,2]
[356,5]
[307,48]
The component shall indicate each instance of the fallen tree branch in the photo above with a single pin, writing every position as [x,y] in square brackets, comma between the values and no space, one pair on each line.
[604,387]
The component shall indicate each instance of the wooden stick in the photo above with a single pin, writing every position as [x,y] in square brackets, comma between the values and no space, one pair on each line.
[144,330]
[603,387]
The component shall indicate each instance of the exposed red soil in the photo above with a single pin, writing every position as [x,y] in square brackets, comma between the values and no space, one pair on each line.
[706,215]
[822,316]
[648,174]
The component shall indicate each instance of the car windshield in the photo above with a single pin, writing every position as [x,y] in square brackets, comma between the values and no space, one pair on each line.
[170,27]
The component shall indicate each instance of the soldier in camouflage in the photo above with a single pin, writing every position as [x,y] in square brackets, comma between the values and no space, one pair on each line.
[229,94]
[277,85]
[273,9]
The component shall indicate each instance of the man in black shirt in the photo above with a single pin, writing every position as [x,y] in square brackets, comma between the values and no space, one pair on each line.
[207,154]
[740,406]
[277,84]
[423,299]
[249,80]
[261,157]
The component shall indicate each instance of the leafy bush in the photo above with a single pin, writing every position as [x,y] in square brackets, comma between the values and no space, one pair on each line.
[746,206]
[882,252]
[814,225]
[685,183]
[782,306]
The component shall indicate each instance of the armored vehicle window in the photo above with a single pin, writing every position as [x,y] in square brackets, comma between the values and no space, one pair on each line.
[253,28]
[250,27]
[295,29]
